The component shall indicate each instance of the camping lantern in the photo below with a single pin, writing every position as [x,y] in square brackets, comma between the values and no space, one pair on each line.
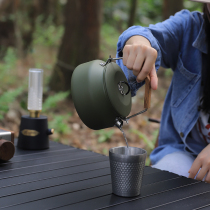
[34,130]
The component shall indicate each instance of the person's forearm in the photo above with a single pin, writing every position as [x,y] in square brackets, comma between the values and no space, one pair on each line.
[138,40]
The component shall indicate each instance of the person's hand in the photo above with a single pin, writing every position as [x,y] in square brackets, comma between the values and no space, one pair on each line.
[140,57]
[201,162]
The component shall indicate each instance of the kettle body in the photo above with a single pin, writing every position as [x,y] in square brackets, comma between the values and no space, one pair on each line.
[100,94]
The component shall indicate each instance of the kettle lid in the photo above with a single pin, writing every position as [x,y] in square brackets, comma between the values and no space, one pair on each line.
[117,89]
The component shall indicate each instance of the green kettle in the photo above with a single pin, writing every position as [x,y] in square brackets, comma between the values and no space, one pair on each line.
[101,94]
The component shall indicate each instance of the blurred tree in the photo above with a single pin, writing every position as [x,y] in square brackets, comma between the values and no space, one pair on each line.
[132,12]
[50,8]
[13,33]
[80,42]
[170,7]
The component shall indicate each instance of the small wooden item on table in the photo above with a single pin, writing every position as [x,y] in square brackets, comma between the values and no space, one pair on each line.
[7,148]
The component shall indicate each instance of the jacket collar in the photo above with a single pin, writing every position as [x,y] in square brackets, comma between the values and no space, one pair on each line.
[200,42]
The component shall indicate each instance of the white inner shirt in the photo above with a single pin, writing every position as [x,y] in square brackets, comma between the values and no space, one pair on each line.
[201,130]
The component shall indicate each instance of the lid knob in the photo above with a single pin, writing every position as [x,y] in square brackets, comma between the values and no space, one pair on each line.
[121,88]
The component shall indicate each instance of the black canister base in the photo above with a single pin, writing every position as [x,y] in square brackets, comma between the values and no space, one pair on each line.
[33,133]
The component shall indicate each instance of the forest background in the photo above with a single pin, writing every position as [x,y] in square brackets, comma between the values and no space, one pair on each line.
[58,35]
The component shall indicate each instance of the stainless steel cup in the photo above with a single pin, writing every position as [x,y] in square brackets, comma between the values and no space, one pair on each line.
[127,168]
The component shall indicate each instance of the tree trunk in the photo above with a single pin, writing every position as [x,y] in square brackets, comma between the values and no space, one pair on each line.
[170,7]
[18,34]
[80,42]
[132,13]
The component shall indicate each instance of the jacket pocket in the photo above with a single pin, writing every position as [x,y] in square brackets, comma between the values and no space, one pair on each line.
[182,83]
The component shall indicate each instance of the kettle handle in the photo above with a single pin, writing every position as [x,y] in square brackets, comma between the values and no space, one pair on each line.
[147,102]
[147,94]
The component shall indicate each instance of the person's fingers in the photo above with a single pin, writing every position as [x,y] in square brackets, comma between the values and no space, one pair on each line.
[207,179]
[126,51]
[146,69]
[148,64]
[194,168]
[138,63]
[202,173]
[154,78]
[141,59]
[131,58]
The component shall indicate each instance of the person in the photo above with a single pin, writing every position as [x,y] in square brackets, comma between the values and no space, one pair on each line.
[181,43]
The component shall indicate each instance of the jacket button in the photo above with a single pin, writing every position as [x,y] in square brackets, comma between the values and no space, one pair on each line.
[182,134]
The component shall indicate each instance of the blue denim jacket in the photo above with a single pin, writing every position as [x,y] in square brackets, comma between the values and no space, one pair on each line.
[180,43]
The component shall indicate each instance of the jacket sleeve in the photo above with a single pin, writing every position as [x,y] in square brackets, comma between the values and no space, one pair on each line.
[165,37]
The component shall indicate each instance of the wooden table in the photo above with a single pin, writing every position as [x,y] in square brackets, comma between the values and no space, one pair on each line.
[64,177]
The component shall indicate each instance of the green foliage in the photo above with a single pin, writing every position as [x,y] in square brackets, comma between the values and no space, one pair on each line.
[110,37]
[47,34]
[149,12]
[104,135]
[24,103]
[7,67]
[154,136]
[60,123]
[116,12]
[168,73]
[142,136]
[150,144]
[51,101]
[148,161]
[10,59]
[105,151]
[193,6]
[8,80]
[8,98]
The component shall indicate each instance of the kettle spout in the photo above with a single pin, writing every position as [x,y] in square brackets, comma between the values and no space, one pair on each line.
[118,123]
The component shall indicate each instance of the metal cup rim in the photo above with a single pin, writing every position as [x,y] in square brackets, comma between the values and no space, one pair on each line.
[122,155]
